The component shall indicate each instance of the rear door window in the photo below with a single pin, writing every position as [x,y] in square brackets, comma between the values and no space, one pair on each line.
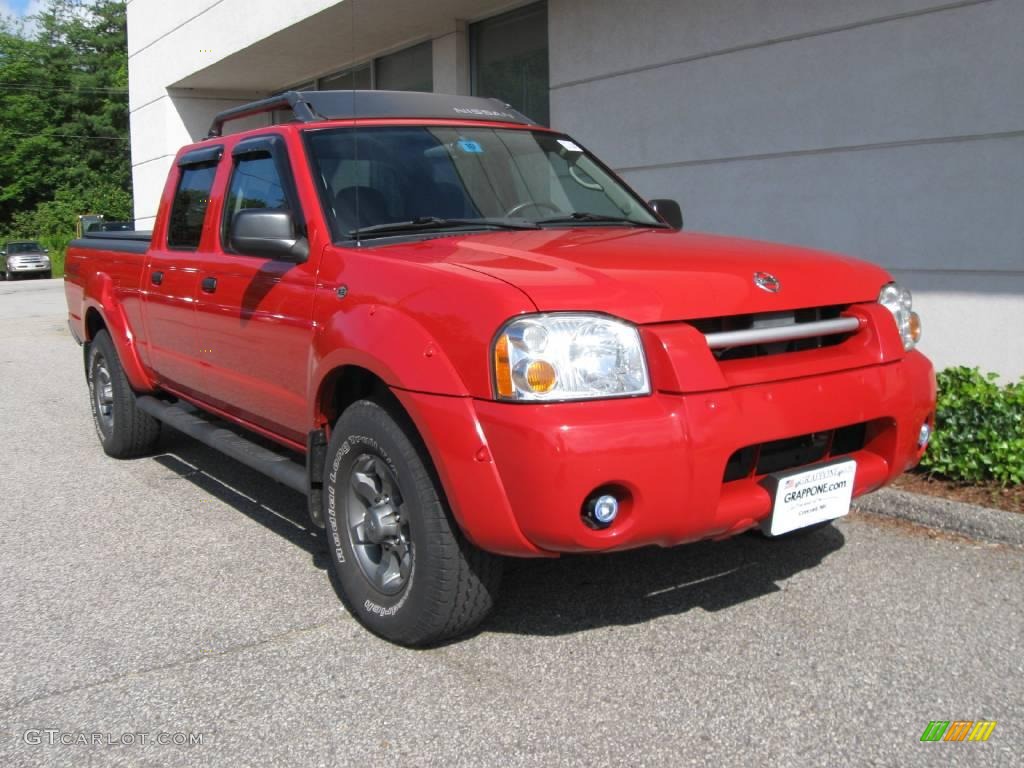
[188,212]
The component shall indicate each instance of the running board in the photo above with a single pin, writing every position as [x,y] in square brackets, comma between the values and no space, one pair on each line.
[277,466]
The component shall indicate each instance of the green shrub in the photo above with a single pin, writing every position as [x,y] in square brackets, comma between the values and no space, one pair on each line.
[53,221]
[979,429]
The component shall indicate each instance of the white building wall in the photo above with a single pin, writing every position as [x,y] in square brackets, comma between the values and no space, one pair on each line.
[169,41]
[888,129]
[189,59]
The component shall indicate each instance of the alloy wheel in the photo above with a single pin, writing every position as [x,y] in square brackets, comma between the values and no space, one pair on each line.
[378,530]
[103,394]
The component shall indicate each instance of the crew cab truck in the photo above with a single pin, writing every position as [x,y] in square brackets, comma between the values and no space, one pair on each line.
[463,338]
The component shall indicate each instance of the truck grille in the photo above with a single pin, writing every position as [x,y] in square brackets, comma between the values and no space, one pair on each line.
[22,260]
[773,333]
[793,452]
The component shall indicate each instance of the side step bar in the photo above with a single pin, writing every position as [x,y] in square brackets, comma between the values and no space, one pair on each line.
[274,465]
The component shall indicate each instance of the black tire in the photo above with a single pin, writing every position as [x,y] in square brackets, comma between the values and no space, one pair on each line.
[125,432]
[8,276]
[449,585]
[48,274]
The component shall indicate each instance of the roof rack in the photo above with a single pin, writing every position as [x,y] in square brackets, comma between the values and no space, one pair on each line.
[313,106]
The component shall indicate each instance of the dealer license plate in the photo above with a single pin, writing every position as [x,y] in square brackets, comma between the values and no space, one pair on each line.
[822,492]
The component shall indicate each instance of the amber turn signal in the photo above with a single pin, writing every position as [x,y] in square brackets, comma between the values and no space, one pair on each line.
[502,369]
[915,327]
[540,376]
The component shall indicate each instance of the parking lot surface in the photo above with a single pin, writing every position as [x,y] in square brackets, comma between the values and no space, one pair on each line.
[184,595]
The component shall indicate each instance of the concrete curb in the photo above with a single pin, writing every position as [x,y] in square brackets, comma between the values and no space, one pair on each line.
[957,517]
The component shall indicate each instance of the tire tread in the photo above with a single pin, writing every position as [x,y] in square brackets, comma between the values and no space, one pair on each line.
[467,578]
[135,432]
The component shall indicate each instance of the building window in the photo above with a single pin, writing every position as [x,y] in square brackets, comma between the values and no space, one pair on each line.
[357,78]
[509,55]
[409,70]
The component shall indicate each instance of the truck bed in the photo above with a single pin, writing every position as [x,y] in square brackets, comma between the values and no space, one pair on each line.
[130,242]
[111,263]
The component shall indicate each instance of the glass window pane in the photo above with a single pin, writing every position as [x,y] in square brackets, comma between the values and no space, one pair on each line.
[255,184]
[510,60]
[353,79]
[408,70]
[377,175]
[189,209]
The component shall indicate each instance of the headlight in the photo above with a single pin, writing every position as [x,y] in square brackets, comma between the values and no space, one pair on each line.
[899,301]
[568,356]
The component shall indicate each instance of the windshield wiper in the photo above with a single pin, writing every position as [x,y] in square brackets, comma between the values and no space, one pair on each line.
[424,223]
[597,217]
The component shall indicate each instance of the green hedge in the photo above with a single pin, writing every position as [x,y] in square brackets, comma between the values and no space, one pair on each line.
[979,429]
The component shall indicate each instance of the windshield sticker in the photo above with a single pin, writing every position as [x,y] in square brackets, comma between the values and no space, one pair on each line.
[473,147]
[572,146]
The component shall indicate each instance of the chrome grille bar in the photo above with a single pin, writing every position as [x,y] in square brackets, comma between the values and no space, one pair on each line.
[750,336]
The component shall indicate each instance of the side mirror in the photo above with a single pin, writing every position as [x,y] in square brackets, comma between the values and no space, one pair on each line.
[270,233]
[668,211]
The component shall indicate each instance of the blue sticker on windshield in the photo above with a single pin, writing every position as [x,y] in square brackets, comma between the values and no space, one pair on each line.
[472,147]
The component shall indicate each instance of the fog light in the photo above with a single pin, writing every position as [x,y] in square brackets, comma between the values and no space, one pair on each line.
[924,435]
[603,509]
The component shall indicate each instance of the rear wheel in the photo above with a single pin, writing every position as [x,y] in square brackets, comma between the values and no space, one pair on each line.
[406,571]
[124,431]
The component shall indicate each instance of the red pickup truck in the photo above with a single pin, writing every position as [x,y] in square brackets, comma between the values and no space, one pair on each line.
[463,337]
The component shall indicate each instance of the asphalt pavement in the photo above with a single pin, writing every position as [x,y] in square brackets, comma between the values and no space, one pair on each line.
[182,598]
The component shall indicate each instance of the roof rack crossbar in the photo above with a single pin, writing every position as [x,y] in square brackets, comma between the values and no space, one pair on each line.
[314,106]
[288,100]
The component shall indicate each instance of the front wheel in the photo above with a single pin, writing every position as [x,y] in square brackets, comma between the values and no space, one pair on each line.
[406,571]
[124,431]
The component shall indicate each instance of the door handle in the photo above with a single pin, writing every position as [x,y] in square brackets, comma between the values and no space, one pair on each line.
[156,278]
[209,284]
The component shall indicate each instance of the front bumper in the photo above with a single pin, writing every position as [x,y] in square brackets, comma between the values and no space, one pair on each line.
[25,269]
[666,453]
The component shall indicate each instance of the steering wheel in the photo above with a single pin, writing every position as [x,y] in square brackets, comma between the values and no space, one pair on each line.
[531,204]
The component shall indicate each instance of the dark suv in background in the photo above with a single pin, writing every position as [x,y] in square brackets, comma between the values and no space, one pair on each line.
[24,257]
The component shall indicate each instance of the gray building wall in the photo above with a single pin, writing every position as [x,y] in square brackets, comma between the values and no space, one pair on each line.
[887,129]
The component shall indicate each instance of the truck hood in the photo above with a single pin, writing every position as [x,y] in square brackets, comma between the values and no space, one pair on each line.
[651,276]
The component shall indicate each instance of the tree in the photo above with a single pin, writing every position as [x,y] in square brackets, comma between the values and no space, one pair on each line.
[64,118]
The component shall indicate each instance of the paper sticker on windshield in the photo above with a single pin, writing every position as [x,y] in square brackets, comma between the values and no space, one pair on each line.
[472,147]
[572,146]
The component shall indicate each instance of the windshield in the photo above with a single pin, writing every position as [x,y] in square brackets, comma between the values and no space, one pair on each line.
[448,177]
[24,248]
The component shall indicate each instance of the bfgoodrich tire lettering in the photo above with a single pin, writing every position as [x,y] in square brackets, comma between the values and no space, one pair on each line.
[405,570]
[124,431]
